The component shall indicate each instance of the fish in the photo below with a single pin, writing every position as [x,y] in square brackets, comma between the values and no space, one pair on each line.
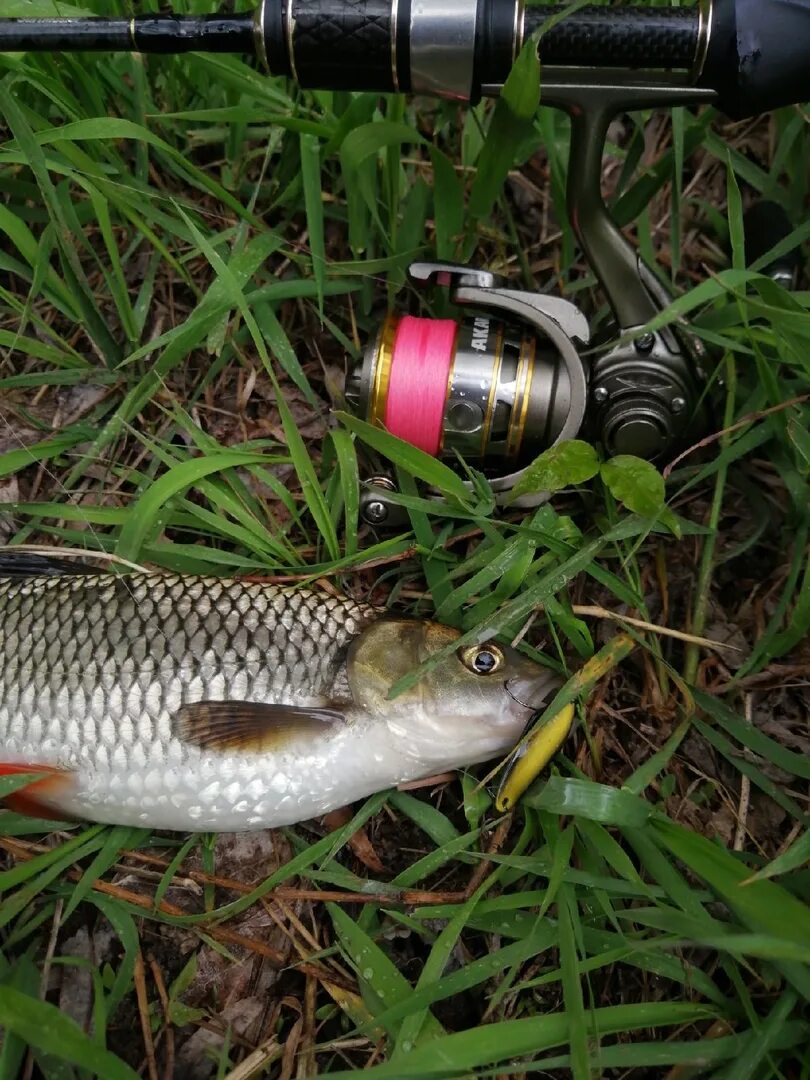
[197,703]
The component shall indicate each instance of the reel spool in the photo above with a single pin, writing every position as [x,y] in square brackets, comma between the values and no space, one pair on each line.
[491,393]
[496,388]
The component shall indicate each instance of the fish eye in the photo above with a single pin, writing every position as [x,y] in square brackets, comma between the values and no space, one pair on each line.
[482,659]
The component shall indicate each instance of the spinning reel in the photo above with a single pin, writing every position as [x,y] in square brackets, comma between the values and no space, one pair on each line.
[517,375]
[516,371]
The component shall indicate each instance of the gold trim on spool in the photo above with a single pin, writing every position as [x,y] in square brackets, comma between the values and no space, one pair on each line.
[378,398]
[523,382]
[451,375]
[497,364]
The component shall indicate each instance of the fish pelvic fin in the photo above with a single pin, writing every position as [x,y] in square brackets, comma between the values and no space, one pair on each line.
[40,798]
[251,726]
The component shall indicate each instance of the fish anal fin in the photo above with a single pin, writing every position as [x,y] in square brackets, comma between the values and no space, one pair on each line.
[250,726]
[40,798]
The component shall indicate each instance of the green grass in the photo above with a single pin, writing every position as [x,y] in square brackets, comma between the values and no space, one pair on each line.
[190,255]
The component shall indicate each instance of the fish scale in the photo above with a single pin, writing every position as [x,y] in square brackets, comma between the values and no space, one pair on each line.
[188,702]
[53,625]
[93,669]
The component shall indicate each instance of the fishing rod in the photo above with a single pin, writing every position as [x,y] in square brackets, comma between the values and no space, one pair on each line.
[514,373]
[751,53]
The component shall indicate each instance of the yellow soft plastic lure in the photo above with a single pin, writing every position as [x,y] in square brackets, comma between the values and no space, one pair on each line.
[529,759]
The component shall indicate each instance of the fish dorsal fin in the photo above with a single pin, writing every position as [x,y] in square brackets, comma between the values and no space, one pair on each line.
[249,725]
[30,564]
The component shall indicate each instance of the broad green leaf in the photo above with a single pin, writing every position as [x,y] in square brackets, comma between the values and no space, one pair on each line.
[501,1042]
[43,9]
[636,483]
[570,462]
[382,983]
[762,905]
[794,858]
[145,517]
[598,802]
[640,486]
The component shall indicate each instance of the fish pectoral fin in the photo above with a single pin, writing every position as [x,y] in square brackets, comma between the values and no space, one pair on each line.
[29,564]
[40,798]
[250,725]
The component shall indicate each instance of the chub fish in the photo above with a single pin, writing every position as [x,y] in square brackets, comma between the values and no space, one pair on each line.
[197,703]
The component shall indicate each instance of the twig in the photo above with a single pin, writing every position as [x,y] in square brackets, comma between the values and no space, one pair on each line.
[429,781]
[494,846]
[290,1050]
[139,978]
[394,896]
[307,1062]
[263,1055]
[745,787]
[78,553]
[749,419]
[165,1004]
[742,813]
[692,639]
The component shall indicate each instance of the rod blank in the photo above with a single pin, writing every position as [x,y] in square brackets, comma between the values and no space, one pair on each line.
[146,33]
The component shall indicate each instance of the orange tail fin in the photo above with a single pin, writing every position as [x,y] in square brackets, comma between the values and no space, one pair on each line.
[39,798]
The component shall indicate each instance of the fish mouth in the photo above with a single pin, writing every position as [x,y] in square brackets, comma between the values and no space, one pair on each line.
[530,694]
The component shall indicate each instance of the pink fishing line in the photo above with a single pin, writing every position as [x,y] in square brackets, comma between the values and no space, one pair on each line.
[417,388]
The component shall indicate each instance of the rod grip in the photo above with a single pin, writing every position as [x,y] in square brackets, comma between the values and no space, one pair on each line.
[435,46]
[344,44]
[445,48]
[632,37]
